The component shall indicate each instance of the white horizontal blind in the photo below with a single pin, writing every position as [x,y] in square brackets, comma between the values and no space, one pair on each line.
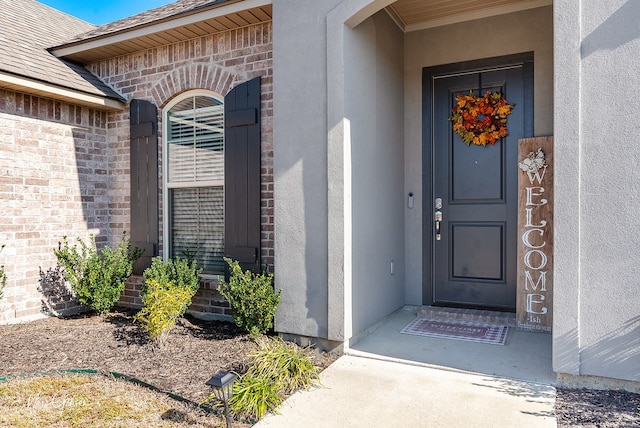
[197,225]
[196,143]
[195,179]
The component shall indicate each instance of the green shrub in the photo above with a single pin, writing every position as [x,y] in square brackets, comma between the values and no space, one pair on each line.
[97,277]
[3,276]
[163,304]
[181,272]
[252,298]
[169,288]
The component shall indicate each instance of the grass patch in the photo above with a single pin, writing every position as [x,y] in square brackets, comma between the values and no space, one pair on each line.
[278,369]
[284,363]
[74,401]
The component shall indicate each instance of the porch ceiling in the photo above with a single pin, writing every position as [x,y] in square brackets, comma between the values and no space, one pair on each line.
[412,15]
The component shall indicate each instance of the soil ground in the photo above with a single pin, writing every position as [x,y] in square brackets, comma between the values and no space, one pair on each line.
[196,349]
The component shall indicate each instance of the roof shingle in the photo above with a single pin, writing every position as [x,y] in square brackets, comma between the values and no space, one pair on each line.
[27,29]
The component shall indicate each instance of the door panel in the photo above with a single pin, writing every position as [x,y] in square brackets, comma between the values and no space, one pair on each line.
[476,174]
[474,262]
[474,248]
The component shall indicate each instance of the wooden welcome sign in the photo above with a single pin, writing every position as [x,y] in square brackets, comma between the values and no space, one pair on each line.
[534,306]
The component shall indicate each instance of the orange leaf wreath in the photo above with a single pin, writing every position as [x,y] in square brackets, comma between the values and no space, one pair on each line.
[481,119]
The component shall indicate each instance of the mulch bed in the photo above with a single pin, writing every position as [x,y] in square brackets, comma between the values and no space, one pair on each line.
[197,349]
[590,408]
[194,351]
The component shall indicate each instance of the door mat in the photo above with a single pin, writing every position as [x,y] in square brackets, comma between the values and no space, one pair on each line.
[459,330]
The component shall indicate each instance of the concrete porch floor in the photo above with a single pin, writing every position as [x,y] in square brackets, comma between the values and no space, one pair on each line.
[525,356]
[389,379]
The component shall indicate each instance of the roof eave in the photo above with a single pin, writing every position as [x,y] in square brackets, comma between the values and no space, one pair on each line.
[48,90]
[166,24]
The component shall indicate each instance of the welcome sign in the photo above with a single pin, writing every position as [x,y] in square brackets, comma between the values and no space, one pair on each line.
[534,306]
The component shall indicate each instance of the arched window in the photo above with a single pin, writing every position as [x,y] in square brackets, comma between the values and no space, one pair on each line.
[194,179]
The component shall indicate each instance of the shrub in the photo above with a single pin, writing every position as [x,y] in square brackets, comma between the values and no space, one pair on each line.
[252,298]
[181,272]
[163,303]
[169,288]
[97,277]
[3,276]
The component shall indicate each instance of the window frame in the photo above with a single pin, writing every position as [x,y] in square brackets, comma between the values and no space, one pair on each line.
[166,221]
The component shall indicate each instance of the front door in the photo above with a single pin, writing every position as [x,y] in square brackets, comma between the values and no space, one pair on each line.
[473,260]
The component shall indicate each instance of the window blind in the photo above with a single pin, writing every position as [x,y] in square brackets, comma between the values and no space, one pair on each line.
[196,143]
[197,225]
[195,181]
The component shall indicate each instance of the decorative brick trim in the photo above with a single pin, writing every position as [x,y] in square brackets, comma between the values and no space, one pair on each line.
[188,77]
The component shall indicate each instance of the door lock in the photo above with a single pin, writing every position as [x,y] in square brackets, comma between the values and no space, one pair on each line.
[437,216]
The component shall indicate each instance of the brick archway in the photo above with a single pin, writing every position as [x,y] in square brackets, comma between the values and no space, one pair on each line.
[189,77]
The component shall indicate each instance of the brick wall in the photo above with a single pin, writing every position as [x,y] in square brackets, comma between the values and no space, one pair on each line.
[206,304]
[217,63]
[53,182]
[64,169]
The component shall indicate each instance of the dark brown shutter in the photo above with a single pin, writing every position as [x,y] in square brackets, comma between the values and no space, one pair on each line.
[242,174]
[143,121]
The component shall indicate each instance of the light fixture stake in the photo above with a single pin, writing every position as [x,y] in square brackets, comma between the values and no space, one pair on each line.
[222,384]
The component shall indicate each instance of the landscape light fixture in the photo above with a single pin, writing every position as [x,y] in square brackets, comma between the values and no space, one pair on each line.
[222,384]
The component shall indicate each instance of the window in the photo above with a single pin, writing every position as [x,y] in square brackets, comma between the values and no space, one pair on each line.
[194,180]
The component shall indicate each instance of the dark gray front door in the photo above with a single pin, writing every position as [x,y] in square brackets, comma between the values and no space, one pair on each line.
[474,261]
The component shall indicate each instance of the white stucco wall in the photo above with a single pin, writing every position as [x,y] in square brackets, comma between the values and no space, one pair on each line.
[332,262]
[342,174]
[597,314]
[327,85]
[375,110]
[530,30]
[300,164]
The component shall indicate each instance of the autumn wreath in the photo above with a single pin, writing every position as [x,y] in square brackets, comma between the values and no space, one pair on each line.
[481,119]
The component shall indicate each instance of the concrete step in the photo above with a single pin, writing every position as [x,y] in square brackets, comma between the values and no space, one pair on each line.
[486,317]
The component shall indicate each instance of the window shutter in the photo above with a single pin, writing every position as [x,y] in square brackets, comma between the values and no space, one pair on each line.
[143,122]
[242,174]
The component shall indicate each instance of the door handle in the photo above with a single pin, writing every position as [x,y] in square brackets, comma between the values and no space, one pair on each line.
[437,216]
